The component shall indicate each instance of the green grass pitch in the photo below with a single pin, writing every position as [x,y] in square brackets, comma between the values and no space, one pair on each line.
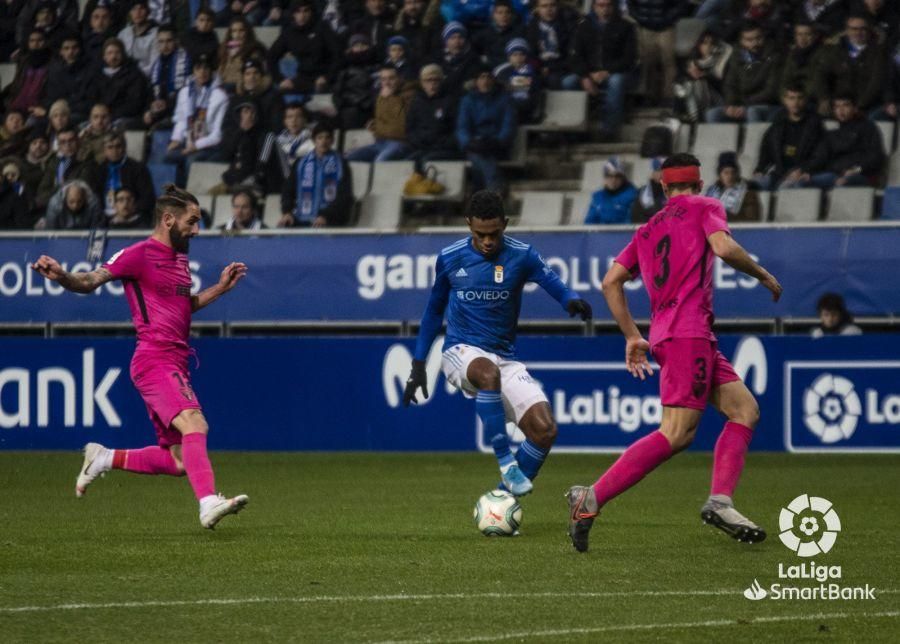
[382,547]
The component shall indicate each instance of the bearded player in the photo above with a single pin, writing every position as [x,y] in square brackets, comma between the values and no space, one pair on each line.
[673,252]
[157,284]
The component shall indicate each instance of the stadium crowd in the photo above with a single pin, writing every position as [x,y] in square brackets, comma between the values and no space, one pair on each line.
[432,80]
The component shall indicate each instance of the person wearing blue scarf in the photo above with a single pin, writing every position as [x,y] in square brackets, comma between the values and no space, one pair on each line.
[170,72]
[319,192]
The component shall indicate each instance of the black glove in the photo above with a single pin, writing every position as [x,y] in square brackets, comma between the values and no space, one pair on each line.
[417,378]
[580,307]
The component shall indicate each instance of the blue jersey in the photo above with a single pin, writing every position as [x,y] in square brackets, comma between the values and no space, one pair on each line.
[482,297]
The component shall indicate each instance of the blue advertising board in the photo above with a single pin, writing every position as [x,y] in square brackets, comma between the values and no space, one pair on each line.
[387,277]
[835,394]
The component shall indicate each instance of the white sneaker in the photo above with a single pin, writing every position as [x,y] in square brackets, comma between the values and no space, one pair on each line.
[97,461]
[213,508]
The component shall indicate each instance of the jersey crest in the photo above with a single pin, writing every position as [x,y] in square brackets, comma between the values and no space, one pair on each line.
[498,274]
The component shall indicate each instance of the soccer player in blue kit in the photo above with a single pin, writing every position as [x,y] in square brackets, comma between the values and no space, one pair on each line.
[479,282]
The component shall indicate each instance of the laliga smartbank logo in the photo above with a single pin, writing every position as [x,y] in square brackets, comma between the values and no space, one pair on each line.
[808,526]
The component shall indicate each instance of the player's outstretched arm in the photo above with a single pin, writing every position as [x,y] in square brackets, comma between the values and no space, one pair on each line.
[733,254]
[548,280]
[636,347]
[231,275]
[48,267]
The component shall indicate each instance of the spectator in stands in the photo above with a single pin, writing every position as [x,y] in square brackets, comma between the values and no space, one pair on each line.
[244,213]
[118,14]
[119,171]
[889,110]
[521,81]
[604,55]
[28,88]
[422,31]
[431,120]
[59,118]
[398,58]
[884,17]
[91,138]
[13,206]
[549,34]
[802,60]
[126,216]
[751,80]
[791,143]
[612,203]
[72,207]
[13,133]
[119,84]
[315,53]
[201,38]
[199,114]
[827,16]
[458,60]
[700,86]
[253,11]
[98,29]
[240,45]
[486,127]
[490,42]
[139,37]
[68,77]
[58,15]
[740,199]
[656,42]
[170,72]
[8,12]
[376,23]
[281,151]
[319,191]
[63,167]
[389,124]
[46,20]
[33,164]
[650,198]
[853,153]
[853,66]
[834,318]
[255,87]
[354,97]
[768,14]
[241,148]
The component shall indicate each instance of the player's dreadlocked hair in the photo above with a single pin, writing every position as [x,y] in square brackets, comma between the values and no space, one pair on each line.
[486,204]
[681,160]
[173,198]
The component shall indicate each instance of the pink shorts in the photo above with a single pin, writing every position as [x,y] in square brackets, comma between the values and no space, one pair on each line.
[164,384]
[690,369]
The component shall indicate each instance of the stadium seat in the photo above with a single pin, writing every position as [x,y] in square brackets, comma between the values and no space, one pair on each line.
[578,203]
[709,161]
[519,150]
[206,203]
[541,209]
[272,211]
[639,170]
[222,213]
[362,175]
[563,111]
[716,137]
[452,175]
[687,32]
[381,211]
[890,205]
[682,138]
[354,139]
[592,175]
[389,177]
[887,134]
[830,124]
[753,136]
[851,204]
[204,175]
[765,204]
[893,178]
[796,205]
[136,144]
[267,35]
[323,103]
[7,74]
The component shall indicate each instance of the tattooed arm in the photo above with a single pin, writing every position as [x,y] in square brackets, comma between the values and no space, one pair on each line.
[76,282]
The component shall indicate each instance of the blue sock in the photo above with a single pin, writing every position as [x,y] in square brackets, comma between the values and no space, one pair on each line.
[489,406]
[530,458]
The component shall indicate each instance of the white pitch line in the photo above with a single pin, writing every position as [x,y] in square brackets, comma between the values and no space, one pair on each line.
[646,627]
[237,601]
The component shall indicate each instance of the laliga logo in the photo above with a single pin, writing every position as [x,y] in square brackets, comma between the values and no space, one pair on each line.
[831,408]
[809,525]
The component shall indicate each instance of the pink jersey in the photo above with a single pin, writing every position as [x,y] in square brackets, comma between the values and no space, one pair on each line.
[672,253]
[158,287]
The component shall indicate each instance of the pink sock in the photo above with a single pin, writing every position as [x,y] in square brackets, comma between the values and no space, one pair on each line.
[196,464]
[728,457]
[634,464]
[149,460]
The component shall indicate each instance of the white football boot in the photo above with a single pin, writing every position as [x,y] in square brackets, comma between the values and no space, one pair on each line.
[213,508]
[97,462]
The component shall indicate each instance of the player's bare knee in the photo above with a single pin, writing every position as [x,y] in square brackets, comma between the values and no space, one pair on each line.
[484,374]
[545,432]
[191,421]
[680,437]
[747,414]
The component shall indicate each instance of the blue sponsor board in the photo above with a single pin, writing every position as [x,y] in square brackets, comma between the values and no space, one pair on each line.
[346,394]
[387,277]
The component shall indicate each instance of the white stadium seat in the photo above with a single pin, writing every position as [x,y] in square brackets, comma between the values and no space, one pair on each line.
[272,211]
[564,111]
[204,175]
[765,203]
[716,137]
[887,134]
[851,204]
[362,175]
[206,203]
[323,103]
[893,178]
[592,175]
[381,211]
[354,139]
[450,174]
[7,74]
[136,144]
[795,205]
[389,177]
[267,35]
[541,208]
[578,203]
[753,136]
[687,32]
[222,213]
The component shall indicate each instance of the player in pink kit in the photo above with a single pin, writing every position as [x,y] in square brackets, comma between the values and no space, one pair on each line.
[157,284]
[674,254]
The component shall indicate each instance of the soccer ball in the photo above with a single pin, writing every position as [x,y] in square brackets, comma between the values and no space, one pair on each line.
[498,514]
